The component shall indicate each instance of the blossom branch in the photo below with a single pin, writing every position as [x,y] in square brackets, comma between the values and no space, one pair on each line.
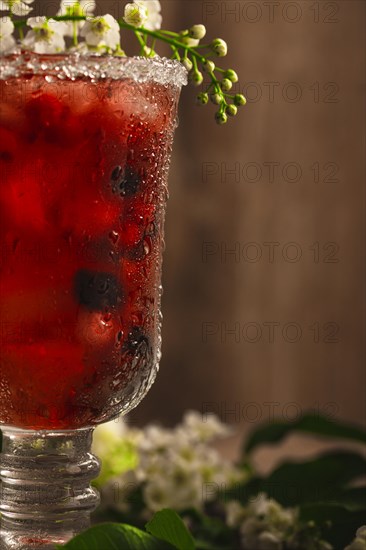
[101,34]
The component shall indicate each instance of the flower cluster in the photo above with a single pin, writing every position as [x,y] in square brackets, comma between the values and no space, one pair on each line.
[144,471]
[76,28]
[176,468]
[265,525]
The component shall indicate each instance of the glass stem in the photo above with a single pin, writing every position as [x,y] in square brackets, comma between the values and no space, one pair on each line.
[45,497]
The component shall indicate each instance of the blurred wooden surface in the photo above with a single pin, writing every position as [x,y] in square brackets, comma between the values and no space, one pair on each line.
[309,80]
[299,148]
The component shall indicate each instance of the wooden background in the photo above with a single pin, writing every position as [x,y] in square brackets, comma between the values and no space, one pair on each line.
[297,151]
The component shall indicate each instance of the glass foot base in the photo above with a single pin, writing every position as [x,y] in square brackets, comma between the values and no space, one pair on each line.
[46,497]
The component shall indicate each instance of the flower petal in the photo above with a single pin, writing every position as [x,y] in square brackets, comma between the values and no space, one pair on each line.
[6,43]
[21,9]
[6,26]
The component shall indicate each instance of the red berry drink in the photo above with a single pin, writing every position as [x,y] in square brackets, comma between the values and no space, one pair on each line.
[84,155]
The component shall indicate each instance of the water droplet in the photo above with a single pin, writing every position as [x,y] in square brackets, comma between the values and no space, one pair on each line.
[114,236]
[147,247]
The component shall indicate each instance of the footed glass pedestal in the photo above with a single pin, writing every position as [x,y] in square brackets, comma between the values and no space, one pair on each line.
[46,496]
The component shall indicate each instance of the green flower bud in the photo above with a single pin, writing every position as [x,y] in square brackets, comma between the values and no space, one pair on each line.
[219,47]
[202,99]
[231,75]
[231,110]
[190,42]
[187,64]
[221,117]
[196,78]
[226,84]
[209,66]
[239,100]
[216,99]
[197,31]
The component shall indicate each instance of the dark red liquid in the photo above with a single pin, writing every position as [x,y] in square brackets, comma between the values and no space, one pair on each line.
[83,171]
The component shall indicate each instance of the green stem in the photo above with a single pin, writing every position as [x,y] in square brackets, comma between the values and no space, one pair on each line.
[176,45]
[141,41]
[75,33]
[175,53]
[68,17]
[169,33]
[152,48]
[19,24]
[160,36]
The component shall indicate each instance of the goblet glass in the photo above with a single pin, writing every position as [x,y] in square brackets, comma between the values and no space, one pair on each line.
[85,145]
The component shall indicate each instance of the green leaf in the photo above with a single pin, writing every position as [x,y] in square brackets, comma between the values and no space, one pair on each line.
[113,536]
[167,525]
[351,499]
[293,483]
[204,545]
[311,424]
[211,531]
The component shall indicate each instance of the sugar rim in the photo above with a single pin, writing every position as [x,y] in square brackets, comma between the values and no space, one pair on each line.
[75,66]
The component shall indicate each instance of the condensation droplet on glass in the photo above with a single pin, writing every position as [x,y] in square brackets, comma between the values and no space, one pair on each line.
[147,247]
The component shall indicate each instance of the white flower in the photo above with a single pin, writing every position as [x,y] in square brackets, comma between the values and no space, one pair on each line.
[144,13]
[46,36]
[7,41]
[269,541]
[102,31]
[204,428]
[272,511]
[76,8]
[260,536]
[359,542]
[18,7]
[156,440]
[235,513]
[135,15]
[179,470]
[175,487]
[266,523]
[154,18]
